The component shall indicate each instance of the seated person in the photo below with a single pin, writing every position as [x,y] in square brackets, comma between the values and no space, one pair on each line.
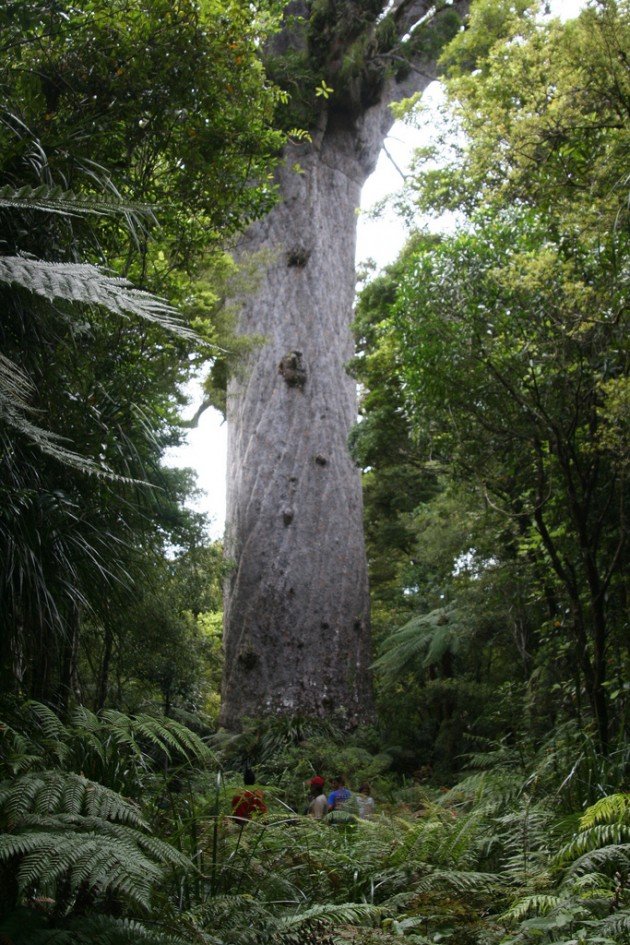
[318,805]
[365,801]
[342,805]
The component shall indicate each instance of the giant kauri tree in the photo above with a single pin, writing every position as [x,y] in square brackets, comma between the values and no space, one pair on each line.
[297,636]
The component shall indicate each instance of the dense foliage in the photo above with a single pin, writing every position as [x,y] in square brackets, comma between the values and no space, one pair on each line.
[334,57]
[496,362]
[119,829]
[131,137]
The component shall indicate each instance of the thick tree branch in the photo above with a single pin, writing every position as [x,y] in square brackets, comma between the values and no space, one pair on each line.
[407,14]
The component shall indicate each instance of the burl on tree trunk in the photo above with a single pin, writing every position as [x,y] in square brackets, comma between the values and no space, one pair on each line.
[297,633]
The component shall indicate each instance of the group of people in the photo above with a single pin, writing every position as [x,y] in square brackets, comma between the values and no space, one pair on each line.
[341,803]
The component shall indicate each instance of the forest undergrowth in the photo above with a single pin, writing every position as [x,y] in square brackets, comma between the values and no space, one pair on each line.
[119,829]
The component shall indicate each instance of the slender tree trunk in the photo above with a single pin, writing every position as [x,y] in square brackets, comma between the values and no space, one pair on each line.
[68,673]
[103,677]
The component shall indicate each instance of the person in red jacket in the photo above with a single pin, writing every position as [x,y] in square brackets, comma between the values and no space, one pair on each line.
[247,804]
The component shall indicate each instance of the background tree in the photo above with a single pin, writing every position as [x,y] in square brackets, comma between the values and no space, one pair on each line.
[510,346]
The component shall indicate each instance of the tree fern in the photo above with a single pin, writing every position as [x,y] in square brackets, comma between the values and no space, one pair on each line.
[525,842]
[539,904]
[345,914]
[602,835]
[609,859]
[166,734]
[16,393]
[69,833]
[585,884]
[617,925]
[460,882]
[61,792]
[50,199]
[113,748]
[81,282]
[424,638]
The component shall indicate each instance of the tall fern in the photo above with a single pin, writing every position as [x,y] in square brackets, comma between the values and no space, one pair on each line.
[71,845]
[587,893]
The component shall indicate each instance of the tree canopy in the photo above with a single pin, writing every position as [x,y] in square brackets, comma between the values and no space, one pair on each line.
[508,340]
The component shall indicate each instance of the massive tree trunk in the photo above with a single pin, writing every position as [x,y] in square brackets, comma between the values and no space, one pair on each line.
[297,636]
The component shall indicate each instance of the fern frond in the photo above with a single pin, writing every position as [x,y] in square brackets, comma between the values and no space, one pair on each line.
[80,282]
[14,383]
[590,884]
[460,881]
[460,843]
[61,792]
[107,930]
[613,858]
[131,837]
[426,637]
[491,791]
[26,927]
[66,202]
[102,862]
[83,720]
[17,755]
[166,734]
[602,835]
[420,837]
[48,442]
[614,809]
[530,905]
[617,925]
[52,728]
[344,914]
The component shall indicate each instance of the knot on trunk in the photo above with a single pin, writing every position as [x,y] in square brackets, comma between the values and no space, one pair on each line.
[298,257]
[292,369]
[248,658]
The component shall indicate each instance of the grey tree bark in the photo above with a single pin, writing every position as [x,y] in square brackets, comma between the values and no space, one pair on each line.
[296,631]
